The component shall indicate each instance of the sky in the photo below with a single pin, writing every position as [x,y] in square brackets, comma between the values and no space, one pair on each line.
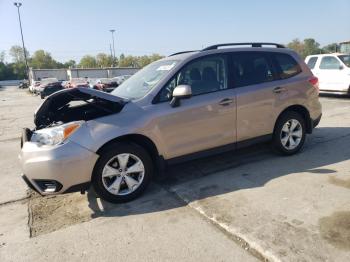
[71,29]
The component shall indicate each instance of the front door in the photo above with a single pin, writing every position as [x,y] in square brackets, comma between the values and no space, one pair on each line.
[204,121]
[329,74]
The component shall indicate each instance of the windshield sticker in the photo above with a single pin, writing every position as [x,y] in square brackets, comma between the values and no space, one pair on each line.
[166,67]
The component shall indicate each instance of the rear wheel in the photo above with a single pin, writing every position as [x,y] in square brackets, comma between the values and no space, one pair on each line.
[122,173]
[289,134]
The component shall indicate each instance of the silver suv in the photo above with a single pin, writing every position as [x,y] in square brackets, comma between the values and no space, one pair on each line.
[187,105]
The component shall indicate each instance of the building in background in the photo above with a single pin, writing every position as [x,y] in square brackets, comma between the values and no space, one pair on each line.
[344,47]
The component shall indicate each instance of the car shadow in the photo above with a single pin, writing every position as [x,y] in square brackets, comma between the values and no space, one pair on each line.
[326,146]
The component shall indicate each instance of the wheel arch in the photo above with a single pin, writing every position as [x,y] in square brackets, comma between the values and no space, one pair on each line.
[143,141]
[302,110]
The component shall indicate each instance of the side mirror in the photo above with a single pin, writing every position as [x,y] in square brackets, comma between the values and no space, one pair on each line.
[341,67]
[180,92]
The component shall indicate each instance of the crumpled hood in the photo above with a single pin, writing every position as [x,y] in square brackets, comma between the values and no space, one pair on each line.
[52,108]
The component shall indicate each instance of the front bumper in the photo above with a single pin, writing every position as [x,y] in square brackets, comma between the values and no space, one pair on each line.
[56,169]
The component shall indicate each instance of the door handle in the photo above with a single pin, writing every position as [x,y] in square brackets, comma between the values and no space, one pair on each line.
[279,89]
[225,102]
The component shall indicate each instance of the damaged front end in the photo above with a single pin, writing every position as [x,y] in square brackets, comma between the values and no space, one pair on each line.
[63,112]
[74,105]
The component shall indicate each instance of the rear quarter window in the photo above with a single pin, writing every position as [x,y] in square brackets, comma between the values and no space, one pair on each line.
[312,62]
[286,65]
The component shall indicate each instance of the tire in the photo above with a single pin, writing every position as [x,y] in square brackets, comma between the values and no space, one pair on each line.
[283,136]
[110,177]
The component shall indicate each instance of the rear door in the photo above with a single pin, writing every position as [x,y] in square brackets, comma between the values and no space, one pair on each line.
[263,82]
[256,93]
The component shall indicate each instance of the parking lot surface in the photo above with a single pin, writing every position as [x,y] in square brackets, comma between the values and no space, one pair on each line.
[247,205]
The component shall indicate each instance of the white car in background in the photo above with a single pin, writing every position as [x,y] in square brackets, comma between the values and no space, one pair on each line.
[332,71]
[33,85]
[120,79]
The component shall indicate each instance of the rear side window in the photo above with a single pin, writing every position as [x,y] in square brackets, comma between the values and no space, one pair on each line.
[329,62]
[287,66]
[250,68]
[312,62]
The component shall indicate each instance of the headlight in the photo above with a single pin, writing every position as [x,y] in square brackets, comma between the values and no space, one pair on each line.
[55,135]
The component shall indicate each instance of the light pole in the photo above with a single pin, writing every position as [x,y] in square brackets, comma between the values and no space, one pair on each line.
[18,5]
[112,31]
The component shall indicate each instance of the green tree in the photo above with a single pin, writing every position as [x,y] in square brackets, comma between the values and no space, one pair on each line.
[70,64]
[311,47]
[331,48]
[17,55]
[88,61]
[42,60]
[128,61]
[296,45]
[2,56]
[143,61]
[6,72]
[18,66]
[308,47]
[104,60]
[18,70]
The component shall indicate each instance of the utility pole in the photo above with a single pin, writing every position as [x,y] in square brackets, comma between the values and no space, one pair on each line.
[110,49]
[112,31]
[18,5]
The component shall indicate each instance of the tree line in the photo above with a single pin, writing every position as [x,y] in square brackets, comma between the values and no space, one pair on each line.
[41,59]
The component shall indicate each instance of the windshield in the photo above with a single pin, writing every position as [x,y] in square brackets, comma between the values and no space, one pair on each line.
[345,59]
[138,85]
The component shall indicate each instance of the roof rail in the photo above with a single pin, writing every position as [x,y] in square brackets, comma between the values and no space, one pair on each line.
[183,52]
[252,44]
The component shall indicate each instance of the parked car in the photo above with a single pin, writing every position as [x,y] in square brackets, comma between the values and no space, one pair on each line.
[120,79]
[43,83]
[332,71]
[23,84]
[50,89]
[104,84]
[33,85]
[77,82]
[187,105]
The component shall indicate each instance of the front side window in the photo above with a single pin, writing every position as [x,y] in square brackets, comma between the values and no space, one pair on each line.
[144,80]
[204,75]
[287,66]
[329,62]
[312,62]
[345,59]
[250,68]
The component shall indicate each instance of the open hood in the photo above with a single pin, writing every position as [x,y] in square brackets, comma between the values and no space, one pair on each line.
[76,104]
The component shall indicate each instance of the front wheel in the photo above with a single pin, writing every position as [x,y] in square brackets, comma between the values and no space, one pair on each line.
[289,134]
[122,173]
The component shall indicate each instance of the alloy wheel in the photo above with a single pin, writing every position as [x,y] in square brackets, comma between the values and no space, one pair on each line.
[123,174]
[291,134]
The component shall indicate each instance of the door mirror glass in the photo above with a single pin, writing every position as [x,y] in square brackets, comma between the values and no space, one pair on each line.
[180,92]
